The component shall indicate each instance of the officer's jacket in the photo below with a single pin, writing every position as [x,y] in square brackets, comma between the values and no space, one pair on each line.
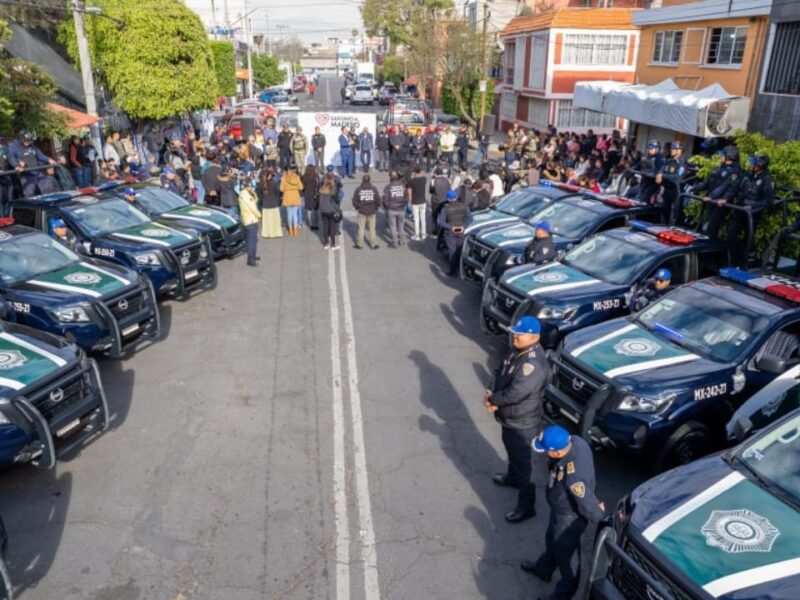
[432,139]
[418,144]
[394,196]
[540,251]
[646,295]
[366,199]
[757,190]
[318,141]
[382,141]
[570,488]
[674,169]
[518,388]
[722,183]
[456,215]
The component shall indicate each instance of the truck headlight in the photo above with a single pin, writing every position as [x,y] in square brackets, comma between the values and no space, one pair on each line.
[148,259]
[72,314]
[642,404]
[203,251]
[513,259]
[557,312]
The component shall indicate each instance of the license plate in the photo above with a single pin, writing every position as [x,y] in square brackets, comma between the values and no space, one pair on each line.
[130,329]
[191,274]
[69,427]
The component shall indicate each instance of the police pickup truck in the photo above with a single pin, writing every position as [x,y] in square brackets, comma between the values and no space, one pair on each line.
[51,397]
[223,228]
[100,306]
[594,281]
[665,381]
[726,527]
[490,253]
[177,260]
[512,209]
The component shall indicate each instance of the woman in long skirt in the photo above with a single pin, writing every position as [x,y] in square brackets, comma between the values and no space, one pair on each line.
[270,191]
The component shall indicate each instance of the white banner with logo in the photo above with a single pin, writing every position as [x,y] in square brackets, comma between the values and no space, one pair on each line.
[330,125]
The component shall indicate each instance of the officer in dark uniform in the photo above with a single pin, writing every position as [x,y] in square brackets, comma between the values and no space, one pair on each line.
[60,231]
[670,177]
[431,149]
[453,218]
[541,249]
[462,144]
[23,154]
[516,402]
[721,186]
[396,141]
[418,144]
[650,165]
[573,507]
[382,149]
[651,291]
[756,192]
[6,183]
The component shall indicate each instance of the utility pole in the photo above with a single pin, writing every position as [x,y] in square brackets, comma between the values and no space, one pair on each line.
[484,66]
[249,55]
[85,58]
[228,32]
[214,19]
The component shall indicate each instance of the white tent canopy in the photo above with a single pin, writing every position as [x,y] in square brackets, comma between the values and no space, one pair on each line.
[709,112]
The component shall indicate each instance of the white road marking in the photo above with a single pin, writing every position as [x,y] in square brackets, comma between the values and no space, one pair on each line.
[340,518]
[368,552]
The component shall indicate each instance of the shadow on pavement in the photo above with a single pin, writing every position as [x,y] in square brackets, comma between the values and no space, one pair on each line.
[34,506]
[118,382]
[496,576]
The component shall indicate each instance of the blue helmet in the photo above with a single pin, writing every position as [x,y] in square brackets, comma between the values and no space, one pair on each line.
[654,145]
[554,438]
[452,195]
[56,223]
[663,275]
[527,325]
[544,226]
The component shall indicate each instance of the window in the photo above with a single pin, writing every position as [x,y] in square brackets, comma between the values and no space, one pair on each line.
[594,49]
[24,216]
[676,266]
[783,72]
[726,46]
[509,105]
[539,112]
[536,76]
[519,65]
[667,47]
[709,263]
[571,118]
[510,54]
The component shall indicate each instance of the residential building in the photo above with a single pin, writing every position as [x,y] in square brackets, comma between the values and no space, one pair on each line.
[776,110]
[547,53]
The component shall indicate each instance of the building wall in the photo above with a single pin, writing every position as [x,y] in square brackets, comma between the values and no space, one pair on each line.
[777,115]
[691,70]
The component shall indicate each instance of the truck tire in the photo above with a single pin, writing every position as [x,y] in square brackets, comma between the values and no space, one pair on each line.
[689,442]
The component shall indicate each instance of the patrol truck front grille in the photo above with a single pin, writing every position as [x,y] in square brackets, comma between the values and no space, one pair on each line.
[574,382]
[506,302]
[235,232]
[57,400]
[189,254]
[479,252]
[126,304]
[634,587]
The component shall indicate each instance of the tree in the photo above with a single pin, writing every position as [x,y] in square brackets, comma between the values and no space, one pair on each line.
[224,67]
[266,72]
[158,65]
[460,67]
[25,90]
[289,50]
[393,69]
[399,19]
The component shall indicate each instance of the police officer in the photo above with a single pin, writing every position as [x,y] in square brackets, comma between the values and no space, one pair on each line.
[397,139]
[516,402]
[650,164]
[462,144]
[670,177]
[129,194]
[541,249]
[22,154]
[652,290]
[431,149]
[62,233]
[382,149]
[417,149]
[394,201]
[722,185]
[453,218]
[573,507]
[318,142]
[755,193]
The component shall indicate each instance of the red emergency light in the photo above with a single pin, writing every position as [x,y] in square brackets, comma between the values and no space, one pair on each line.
[616,201]
[6,221]
[675,237]
[89,190]
[784,291]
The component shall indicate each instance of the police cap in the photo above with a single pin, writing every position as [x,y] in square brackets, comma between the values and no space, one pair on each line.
[554,438]
[663,275]
[527,325]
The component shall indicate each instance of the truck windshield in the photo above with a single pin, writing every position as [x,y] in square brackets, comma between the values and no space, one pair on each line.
[522,203]
[775,456]
[155,200]
[609,259]
[28,256]
[567,219]
[704,323]
[99,218]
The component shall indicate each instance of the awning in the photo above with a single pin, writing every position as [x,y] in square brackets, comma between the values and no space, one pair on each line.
[75,118]
[709,112]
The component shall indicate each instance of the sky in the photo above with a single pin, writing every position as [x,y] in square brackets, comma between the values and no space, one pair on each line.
[310,20]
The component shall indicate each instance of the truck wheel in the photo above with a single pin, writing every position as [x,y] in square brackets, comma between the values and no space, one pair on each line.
[690,441]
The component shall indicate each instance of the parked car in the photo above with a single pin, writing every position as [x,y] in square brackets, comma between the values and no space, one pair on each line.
[362,95]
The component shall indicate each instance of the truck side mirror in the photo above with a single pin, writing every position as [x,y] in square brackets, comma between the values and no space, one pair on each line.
[742,428]
[769,363]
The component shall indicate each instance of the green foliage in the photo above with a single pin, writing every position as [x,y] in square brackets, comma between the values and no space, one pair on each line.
[393,69]
[395,18]
[25,90]
[266,72]
[224,67]
[785,169]
[158,65]
[472,100]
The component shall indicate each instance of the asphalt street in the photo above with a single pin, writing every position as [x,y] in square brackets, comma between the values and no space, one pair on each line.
[311,429]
